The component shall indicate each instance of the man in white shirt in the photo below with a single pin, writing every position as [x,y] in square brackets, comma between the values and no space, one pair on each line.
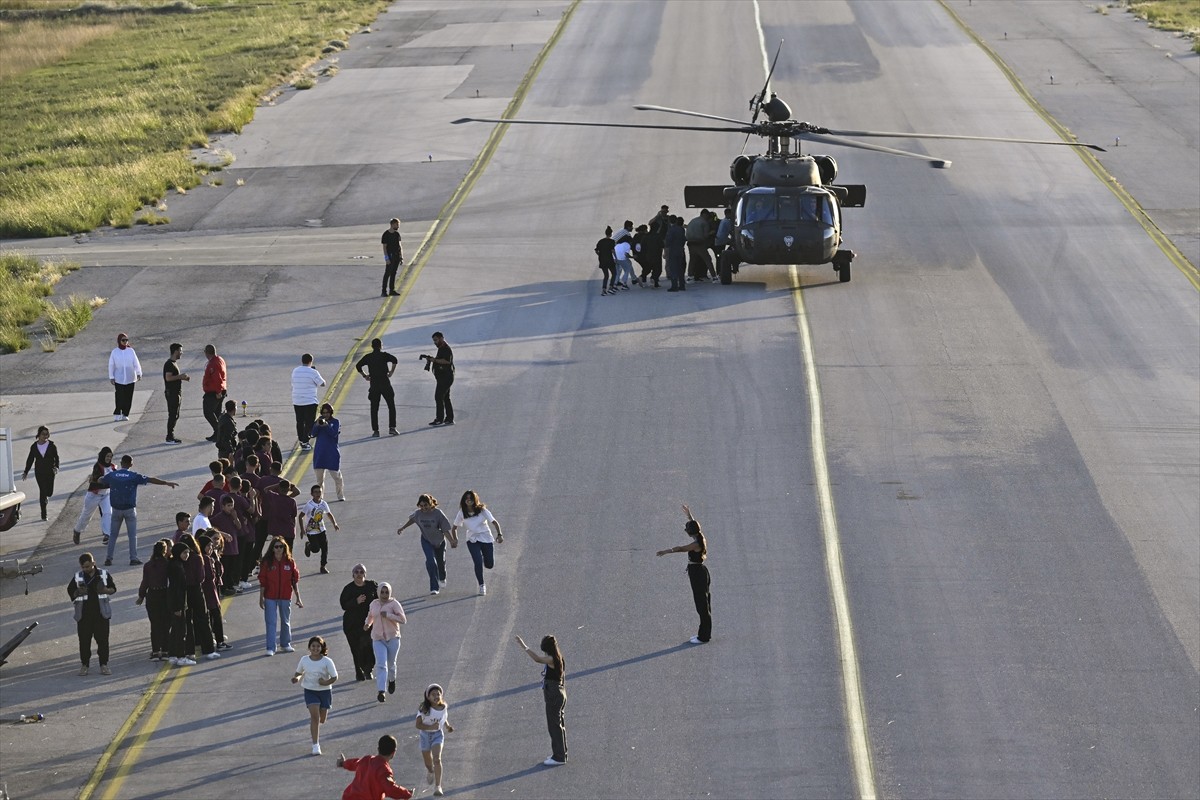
[305,382]
[124,370]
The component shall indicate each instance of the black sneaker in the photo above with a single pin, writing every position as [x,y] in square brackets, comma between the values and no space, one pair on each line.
[307,549]
[381,697]
[449,422]
[437,422]
[75,536]
[391,687]
[393,432]
[133,562]
[108,562]
[374,434]
[173,440]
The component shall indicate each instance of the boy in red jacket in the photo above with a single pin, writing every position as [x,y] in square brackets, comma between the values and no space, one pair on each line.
[373,774]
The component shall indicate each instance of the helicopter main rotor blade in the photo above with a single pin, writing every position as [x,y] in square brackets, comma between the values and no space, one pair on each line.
[898,135]
[742,129]
[687,113]
[756,103]
[826,138]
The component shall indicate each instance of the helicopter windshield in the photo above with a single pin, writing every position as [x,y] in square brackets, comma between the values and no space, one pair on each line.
[800,207]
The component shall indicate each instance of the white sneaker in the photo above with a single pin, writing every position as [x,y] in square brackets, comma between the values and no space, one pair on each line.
[173,661]
[316,750]
[288,649]
[435,591]
[438,792]
[482,589]
[270,653]
[244,585]
[213,656]
[550,762]
[116,417]
[185,662]
[695,640]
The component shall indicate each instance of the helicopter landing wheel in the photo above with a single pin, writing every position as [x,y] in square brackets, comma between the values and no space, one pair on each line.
[725,268]
[841,264]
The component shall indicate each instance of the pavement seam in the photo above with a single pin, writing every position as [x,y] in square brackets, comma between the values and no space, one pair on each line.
[1168,248]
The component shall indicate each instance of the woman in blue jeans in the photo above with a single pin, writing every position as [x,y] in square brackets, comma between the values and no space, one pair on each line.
[278,579]
[479,523]
[435,529]
[385,615]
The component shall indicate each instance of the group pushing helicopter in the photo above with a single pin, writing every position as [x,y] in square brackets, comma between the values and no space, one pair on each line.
[787,207]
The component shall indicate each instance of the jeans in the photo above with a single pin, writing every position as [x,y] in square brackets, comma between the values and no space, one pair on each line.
[482,555]
[443,408]
[385,661]
[129,517]
[435,563]
[280,610]
[91,502]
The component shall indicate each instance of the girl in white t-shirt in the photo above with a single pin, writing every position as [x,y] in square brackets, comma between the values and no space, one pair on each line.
[479,522]
[316,673]
[433,724]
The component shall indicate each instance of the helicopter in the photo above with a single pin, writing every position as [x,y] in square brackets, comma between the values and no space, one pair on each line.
[787,208]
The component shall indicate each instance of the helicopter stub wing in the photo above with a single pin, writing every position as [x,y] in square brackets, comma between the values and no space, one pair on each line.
[826,138]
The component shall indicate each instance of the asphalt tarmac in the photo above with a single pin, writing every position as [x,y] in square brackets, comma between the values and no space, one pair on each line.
[1011,449]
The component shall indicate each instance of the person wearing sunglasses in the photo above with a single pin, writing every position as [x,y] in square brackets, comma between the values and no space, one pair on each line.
[278,579]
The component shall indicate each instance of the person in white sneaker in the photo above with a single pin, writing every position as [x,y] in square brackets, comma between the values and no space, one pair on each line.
[698,577]
[479,522]
[124,370]
[433,724]
[554,692]
[316,672]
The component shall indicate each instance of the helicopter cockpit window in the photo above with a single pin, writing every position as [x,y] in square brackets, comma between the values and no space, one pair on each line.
[805,208]
[757,208]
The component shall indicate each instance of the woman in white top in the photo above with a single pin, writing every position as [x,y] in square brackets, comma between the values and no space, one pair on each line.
[316,673]
[384,619]
[124,370]
[473,514]
[433,724]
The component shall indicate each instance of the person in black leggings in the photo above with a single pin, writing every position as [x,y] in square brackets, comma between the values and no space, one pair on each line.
[698,577]
[43,460]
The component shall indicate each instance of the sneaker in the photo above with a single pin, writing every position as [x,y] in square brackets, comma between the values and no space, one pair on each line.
[374,434]
[449,422]
[393,432]
[482,589]
[173,440]
[324,570]
[391,687]
[75,536]
[305,446]
[83,671]
[383,294]
[270,653]
[108,562]
[381,697]
[116,417]
[224,646]
[436,422]
[429,778]
[696,640]
[213,656]
[435,591]
[551,762]
[104,539]
[104,670]
[212,438]
[185,662]
[342,499]
[173,661]
[316,751]
[393,293]
[438,792]
[715,279]
[155,656]
[307,549]
[133,562]
[287,648]
[244,585]
[443,582]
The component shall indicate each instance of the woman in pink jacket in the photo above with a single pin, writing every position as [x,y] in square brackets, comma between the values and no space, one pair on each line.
[384,619]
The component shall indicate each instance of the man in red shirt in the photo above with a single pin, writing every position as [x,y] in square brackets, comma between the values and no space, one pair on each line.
[373,774]
[214,388]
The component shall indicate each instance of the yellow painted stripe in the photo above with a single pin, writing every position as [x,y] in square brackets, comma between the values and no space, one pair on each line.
[1173,253]
[858,737]
[295,463]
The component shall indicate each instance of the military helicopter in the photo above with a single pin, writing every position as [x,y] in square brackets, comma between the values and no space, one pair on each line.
[787,206]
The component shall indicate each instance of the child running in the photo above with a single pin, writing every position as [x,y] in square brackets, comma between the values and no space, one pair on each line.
[316,673]
[316,511]
[433,724]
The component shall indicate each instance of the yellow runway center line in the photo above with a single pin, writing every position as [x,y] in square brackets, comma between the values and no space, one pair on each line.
[294,465]
[855,709]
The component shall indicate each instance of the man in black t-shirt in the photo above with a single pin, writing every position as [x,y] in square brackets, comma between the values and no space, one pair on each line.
[393,257]
[380,366]
[173,389]
[443,372]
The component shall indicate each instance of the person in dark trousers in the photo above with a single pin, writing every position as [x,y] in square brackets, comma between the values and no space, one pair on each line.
[608,265]
[173,389]
[182,642]
[554,690]
[379,367]
[214,385]
[89,590]
[393,257]
[153,592]
[674,242]
[226,435]
[124,370]
[356,602]
[442,365]
[698,577]
[43,459]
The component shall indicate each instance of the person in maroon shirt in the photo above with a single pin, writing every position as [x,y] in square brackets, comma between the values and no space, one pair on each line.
[229,521]
[214,386]
[280,510]
[153,592]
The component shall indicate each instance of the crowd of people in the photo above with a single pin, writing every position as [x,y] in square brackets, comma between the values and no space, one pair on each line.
[689,252]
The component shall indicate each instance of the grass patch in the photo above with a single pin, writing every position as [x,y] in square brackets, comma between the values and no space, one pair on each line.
[100,123]
[1171,15]
[25,282]
[64,321]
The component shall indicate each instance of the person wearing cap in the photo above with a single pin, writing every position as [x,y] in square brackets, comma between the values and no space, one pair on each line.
[173,389]
[124,370]
[214,385]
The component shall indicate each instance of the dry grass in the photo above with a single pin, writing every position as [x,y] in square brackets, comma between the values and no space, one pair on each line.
[26,46]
